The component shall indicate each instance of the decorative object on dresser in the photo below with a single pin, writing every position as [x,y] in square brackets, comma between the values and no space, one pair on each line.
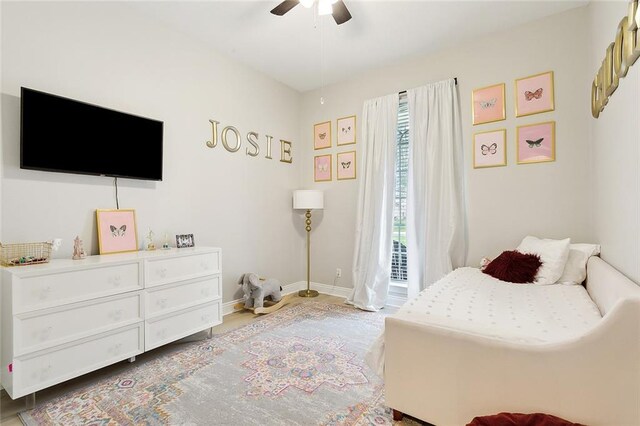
[322,135]
[150,244]
[184,241]
[536,143]
[67,318]
[488,105]
[490,149]
[308,199]
[346,165]
[534,94]
[78,249]
[117,231]
[346,128]
[25,253]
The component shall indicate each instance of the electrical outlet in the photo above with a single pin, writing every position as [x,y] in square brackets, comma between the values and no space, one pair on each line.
[338,273]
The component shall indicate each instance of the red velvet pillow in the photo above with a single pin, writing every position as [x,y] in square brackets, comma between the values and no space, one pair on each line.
[514,267]
[517,419]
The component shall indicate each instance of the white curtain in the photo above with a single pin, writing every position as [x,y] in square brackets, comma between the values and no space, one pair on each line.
[372,256]
[436,218]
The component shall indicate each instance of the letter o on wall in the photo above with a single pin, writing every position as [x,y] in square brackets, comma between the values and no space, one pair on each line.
[238,143]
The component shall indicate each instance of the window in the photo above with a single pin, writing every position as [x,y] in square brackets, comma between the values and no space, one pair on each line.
[399,254]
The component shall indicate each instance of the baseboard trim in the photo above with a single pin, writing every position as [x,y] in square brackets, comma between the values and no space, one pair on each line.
[227,307]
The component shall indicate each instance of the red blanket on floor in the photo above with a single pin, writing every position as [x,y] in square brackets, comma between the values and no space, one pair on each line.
[517,419]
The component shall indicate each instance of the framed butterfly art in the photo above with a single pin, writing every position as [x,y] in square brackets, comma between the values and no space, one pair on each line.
[490,149]
[536,143]
[488,104]
[346,130]
[322,168]
[534,94]
[346,165]
[322,135]
[117,231]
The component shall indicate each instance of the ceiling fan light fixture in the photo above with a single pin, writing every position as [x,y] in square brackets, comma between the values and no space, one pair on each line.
[307,3]
[325,7]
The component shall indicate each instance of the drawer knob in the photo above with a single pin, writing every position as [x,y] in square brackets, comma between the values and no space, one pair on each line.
[162,272]
[116,314]
[44,293]
[204,265]
[46,333]
[204,291]
[206,317]
[115,280]
[162,333]
[162,302]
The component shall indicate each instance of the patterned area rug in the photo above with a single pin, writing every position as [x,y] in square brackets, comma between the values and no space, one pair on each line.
[302,365]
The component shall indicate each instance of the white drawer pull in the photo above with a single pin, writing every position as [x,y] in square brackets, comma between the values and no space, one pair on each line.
[46,333]
[162,302]
[206,317]
[44,293]
[116,314]
[162,333]
[45,371]
[204,265]
[115,349]
[204,291]
[115,280]
[162,272]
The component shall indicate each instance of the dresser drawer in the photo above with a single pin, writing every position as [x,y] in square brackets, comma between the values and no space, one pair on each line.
[32,373]
[42,329]
[173,297]
[168,328]
[163,271]
[39,292]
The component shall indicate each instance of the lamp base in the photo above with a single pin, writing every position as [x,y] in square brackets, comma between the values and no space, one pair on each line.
[308,293]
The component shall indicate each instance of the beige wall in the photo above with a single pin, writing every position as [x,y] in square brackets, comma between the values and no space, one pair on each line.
[505,204]
[104,53]
[615,142]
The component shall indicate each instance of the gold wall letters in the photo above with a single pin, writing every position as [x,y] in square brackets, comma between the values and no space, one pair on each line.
[252,138]
[620,55]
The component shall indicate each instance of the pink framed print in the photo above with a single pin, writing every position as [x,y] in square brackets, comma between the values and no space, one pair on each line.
[490,149]
[488,104]
[322,135]
[536,143]
[322,168]
[346,165]
[534,94]
[346,129]
[117,231]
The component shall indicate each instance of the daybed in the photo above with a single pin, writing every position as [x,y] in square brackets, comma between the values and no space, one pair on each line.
[471,345]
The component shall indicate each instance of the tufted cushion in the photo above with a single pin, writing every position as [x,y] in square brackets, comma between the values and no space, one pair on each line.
[514,267]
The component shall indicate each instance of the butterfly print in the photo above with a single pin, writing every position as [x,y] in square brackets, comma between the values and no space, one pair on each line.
[322,135]
[535,143]
[346,129]
[118,232]
[488,104]
[533,95]
[346,164]
[491,149]
[323,167]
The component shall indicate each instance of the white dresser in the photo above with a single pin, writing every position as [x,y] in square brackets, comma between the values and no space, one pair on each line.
[68,317]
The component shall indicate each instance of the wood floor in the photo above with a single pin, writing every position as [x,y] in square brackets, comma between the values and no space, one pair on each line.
[9,408]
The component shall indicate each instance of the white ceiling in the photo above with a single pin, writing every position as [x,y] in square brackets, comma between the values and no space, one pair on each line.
[288,48]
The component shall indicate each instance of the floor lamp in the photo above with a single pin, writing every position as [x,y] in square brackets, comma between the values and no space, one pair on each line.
[308,200]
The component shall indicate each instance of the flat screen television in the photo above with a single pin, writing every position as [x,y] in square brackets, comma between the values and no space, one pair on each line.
[63,135]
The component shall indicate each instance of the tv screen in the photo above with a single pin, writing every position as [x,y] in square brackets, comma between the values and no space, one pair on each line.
[62,135]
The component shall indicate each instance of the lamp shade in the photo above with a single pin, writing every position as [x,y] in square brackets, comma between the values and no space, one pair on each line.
[308,199]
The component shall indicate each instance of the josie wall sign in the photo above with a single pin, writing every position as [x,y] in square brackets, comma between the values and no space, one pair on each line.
[620,55]
[232,141]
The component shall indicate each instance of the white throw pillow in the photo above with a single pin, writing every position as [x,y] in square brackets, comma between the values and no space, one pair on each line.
[575,271]
[553,254]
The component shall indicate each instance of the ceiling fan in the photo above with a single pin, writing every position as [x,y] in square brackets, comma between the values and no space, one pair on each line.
[336,8]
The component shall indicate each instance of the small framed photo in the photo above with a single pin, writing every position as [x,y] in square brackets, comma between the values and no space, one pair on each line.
[488,104]
[346,128]
[534,94]
[490,149]
[184,240]
[536,143]
[346,165]
[322,135]
[322,168]
[117,231]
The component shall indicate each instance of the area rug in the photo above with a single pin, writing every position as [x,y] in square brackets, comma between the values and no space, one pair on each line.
[302,365]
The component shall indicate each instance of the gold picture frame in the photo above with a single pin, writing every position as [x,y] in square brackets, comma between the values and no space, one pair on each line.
[346,135]
[322,135]
[533,137]
[117,232]
[322,172]
[489,157]
[488,104]
[542,93]
[346,165]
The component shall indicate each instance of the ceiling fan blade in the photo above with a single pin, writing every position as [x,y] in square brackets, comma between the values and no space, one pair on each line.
[340,12]
[284,7]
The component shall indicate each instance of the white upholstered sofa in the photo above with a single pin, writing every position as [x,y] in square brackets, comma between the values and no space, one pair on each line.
[586,371]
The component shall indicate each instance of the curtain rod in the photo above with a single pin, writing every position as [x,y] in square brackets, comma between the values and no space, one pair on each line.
[455,80]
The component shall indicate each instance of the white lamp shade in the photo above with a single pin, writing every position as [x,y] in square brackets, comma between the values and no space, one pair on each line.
[308,199]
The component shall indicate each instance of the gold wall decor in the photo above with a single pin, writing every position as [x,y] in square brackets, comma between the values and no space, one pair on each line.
[231,139]
[620,55]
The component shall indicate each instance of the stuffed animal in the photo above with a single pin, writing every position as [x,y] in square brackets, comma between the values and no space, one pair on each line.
[255,290]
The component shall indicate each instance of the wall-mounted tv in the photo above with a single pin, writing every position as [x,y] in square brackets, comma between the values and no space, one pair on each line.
[63,135]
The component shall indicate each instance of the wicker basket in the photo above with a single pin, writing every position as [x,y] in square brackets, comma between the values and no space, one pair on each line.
[24,254]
